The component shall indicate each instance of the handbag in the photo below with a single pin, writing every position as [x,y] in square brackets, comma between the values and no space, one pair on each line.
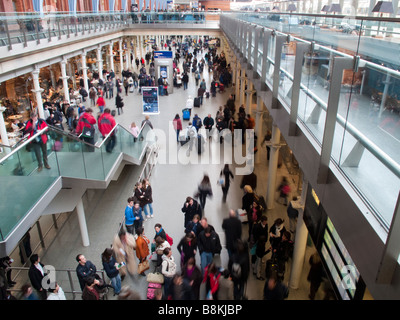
[143,266]
[155,277]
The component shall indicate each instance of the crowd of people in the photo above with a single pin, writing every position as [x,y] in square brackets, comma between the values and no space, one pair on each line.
[133,253]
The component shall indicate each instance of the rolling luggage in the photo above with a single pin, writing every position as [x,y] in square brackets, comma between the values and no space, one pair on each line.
[151,288]
[196,102]
[207,94]
[186,114]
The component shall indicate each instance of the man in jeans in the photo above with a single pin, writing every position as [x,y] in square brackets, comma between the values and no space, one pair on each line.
[106,123]
[209,244]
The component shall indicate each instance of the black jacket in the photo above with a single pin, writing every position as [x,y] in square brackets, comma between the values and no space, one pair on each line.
[233,231]
[190,211]
[35,276]
[209,244]
[89,269]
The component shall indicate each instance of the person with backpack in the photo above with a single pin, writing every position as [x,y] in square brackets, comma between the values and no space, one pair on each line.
[106,123]
[239,268]
[85,128]
[197,123]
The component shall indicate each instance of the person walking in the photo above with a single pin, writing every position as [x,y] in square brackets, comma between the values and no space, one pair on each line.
[85,128]
[106,124]
[101,103]
[177,123]
[187,248]
[119,103]
[39,144]
[204,190]
[233,231]
[124,245]
[190,208]
[111,267]
[209,245]
[192,273]
[239,268]
[225,176]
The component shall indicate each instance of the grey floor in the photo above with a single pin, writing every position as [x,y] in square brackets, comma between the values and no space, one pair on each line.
[171,184]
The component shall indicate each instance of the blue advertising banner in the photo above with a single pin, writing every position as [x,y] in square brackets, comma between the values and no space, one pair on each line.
[162,54]
[150,100]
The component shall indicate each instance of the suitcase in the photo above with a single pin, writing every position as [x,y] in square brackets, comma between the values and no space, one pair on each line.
[196,102]
[207,94]
[186,114]
[131,89]
[200,144]
[151,288]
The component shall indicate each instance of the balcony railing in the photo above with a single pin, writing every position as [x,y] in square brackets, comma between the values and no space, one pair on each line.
[366,138]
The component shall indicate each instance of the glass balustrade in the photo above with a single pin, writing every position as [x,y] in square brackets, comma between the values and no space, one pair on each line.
[367,135]
[18,28]
[22,184]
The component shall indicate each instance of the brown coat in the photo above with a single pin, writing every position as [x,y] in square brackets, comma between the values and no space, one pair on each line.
[129,256]
[142,247]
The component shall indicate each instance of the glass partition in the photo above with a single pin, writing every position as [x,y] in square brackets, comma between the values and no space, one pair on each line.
[23,184]
[367,134]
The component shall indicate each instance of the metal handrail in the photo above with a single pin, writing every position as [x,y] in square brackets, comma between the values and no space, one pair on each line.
[101,273]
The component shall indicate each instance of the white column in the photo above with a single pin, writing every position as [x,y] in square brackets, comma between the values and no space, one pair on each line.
[242,87]
[237,83]
[300,245]
[3,130]
[141,47]
[64,78]
[128,57]
[249,97]
[258,127]
[121,58]
[82,223]
[38,91]
[111,55]
[100,63]
[84,72]
[272,166]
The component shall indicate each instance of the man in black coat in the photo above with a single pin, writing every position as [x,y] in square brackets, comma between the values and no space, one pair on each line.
[209,244]
[84,270]
[36,274]
[233,231]
[190,208]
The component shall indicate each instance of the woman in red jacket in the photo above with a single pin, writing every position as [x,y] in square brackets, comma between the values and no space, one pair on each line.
[34,125]
[177,126]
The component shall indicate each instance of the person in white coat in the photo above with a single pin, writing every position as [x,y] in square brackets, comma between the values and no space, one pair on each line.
[56,294]
[168,269]
[189,104]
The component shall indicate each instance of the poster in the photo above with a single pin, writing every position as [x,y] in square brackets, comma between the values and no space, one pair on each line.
[163,71]
[150,100]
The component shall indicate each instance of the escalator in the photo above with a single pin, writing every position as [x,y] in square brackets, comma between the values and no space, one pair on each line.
[25,192]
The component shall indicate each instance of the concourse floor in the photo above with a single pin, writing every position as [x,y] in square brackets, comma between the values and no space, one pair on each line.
[172,181]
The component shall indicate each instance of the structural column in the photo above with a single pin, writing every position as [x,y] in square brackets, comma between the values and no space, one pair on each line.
[127,57]
[258,128]
[38,91]
[64,78]
[300,244]
[249,97]
[100,62]
[121,58]
[237,83]
[82,223]
[111,55]
[242,87]
[84,72]
[272,166]
[3,130]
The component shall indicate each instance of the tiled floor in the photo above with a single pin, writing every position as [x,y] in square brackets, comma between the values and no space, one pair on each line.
[171,183]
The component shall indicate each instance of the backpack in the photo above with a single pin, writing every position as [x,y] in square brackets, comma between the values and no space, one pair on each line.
[236,270]
[198,123]
[169,239]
